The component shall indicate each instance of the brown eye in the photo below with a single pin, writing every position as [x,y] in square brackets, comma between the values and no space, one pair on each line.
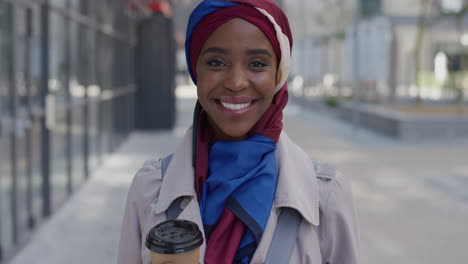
[257,64]
[215,62]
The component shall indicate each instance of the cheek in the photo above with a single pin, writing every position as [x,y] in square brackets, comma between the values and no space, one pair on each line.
[203,84]
[268,86]
[202,94]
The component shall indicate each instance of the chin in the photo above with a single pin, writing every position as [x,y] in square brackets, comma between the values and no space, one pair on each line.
[237,134]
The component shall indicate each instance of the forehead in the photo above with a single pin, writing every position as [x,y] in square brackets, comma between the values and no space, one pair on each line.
[238,33]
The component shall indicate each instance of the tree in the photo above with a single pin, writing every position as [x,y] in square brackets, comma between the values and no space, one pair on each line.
[425,8]
[423,22]
[458,15]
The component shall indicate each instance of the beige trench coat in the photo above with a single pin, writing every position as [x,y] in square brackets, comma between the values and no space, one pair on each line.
[328,231]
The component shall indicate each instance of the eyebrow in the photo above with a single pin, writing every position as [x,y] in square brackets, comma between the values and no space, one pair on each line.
[248,52]
[259,52]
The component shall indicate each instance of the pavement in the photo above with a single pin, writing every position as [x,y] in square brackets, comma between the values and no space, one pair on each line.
[411,197]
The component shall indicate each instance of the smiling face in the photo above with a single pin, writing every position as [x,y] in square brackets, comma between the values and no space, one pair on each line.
[236,78]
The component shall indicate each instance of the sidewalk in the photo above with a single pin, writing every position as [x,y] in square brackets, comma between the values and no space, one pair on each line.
[412,197]
[86,229]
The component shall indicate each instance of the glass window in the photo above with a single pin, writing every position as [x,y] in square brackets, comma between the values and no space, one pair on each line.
[77,91]
[104,80]
[58,64]
[34,150]
[36,58]
[6,224]
[20,56]
[22,35]
[93,91]
[5,31]
[57,89]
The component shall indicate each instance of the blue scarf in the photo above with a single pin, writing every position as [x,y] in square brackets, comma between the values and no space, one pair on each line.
[242,178]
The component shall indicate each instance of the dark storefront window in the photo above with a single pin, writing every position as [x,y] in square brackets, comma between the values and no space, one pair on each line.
[370,8]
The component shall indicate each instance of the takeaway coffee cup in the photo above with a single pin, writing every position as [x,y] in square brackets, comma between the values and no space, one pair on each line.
[175,242]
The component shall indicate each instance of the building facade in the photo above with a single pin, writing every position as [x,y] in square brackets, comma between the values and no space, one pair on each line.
[66,100]
[386,34]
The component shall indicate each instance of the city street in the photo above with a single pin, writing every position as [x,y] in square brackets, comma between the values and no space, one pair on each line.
[412,197]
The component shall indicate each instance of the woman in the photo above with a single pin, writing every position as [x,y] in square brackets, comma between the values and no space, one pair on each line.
[236,170]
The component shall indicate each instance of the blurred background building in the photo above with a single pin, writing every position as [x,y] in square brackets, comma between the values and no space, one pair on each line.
[379,63]
[405,48]
[67,92]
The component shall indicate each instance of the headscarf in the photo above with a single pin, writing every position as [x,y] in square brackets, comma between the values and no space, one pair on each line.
[235,181]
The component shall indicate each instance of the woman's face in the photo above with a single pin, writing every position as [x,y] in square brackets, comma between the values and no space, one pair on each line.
[236,78]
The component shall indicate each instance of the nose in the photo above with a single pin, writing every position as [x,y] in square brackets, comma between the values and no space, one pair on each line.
[236,79]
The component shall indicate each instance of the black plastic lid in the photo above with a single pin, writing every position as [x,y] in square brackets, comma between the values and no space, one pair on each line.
[174,237]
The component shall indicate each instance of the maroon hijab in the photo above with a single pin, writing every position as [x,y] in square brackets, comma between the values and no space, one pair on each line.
[224,240]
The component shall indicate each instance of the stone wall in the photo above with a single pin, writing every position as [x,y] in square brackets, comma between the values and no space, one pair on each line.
[397,125]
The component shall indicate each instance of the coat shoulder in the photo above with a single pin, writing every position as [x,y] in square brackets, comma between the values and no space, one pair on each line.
[339,229]
[324,171]
[146,182]
[331,183]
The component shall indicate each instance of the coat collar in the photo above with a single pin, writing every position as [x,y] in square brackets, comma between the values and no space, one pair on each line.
[179,178]
[297,183]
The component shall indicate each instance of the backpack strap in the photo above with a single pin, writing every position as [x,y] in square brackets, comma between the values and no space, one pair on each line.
[165,163]
[285,236]
[287,229]
[174,209]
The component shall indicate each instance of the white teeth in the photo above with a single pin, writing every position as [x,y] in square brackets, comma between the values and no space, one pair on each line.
[235,106]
